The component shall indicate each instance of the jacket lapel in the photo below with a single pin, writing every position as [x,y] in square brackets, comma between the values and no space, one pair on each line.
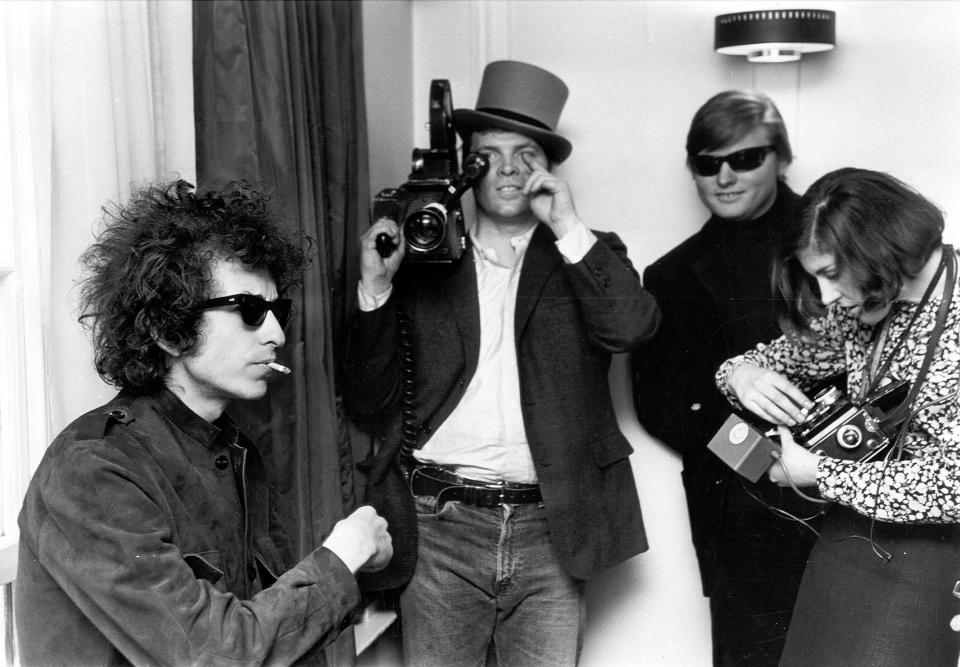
[540,260]
[461,295]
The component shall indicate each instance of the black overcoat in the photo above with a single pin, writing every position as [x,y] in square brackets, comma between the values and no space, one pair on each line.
[716,296]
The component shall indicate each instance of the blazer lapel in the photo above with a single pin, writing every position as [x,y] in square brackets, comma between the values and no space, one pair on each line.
[461,294]
[540,260]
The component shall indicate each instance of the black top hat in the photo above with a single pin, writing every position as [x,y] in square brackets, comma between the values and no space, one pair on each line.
[520,98]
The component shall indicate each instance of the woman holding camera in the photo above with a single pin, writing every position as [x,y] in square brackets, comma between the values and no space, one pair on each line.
[868,289]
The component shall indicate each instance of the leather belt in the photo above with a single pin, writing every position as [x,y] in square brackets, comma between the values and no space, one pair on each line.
[445,485]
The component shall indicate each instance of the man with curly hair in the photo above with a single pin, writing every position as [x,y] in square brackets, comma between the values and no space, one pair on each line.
[149,533]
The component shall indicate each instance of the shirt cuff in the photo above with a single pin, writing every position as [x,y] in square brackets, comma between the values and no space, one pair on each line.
[369,301]
[576,243]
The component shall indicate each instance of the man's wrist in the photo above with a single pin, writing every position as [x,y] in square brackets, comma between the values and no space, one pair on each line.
[576,243]
[371,299]
[352,554]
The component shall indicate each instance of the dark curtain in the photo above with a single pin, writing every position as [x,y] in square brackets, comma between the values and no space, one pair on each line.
[278,88]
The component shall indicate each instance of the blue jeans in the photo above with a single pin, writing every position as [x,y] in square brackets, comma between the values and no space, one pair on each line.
[487,578]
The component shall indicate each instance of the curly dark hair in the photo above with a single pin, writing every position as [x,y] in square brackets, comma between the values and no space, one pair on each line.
[150,267]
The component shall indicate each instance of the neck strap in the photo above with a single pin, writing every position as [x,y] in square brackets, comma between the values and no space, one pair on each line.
[875,375]
[902,412]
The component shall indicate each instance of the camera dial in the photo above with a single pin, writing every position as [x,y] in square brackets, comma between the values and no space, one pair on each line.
[849,436]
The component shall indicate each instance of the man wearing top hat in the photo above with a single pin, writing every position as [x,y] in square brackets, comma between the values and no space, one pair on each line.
[514,486]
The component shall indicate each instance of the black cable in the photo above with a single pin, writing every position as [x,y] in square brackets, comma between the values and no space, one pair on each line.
[875,546]
[408,390]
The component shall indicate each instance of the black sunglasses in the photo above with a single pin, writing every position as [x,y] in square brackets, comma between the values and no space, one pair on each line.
[253,309]
[746,160]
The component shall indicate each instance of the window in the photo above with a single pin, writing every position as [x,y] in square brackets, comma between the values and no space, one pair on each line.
[24,183]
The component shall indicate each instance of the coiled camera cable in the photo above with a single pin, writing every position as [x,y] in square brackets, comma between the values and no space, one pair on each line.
[410,429]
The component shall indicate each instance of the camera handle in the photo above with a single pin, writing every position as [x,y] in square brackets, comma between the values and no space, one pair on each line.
[385,244]
[475,166]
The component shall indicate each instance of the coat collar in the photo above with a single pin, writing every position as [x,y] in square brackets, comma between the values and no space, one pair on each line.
[190,422]
[730,249]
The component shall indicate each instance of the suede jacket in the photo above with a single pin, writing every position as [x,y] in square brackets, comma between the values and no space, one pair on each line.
[150,536]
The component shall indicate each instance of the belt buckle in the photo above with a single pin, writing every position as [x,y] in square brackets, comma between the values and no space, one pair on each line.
[500,488]
[479,495]
[418,472]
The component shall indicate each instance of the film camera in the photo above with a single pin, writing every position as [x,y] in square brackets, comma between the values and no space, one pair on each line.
[836,426]
[427,206]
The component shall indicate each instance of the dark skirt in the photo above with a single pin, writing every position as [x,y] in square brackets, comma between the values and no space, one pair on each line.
[855,609]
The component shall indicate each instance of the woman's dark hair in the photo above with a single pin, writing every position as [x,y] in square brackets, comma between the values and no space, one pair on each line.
[880,231]
[729,116]
[151,266]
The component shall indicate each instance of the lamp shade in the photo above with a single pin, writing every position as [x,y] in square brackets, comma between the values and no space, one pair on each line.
[775,35]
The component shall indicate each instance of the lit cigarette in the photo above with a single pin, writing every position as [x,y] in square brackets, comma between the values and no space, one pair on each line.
[280,368]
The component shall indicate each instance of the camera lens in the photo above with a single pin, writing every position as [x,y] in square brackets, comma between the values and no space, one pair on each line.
[849,436]
[426,228]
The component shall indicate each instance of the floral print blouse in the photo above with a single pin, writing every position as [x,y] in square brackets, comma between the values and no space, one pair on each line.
[925,486]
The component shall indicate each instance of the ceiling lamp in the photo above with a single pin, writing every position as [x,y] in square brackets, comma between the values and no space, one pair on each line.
[775,35]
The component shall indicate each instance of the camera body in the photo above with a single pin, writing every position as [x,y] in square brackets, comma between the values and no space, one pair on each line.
[845,429]
[427,207]
[430,218]
[836,426]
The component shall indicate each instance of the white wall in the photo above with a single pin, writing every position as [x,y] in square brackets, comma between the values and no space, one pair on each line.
[388,83]
[886,98]
[113,127]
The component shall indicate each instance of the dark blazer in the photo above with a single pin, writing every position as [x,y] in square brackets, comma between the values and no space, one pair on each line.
[716,296]
[569,319]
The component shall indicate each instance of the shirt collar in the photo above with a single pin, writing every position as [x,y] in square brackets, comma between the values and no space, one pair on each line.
[487,256]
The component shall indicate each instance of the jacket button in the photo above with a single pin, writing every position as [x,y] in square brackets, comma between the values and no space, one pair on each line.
[118,414]
[222,462]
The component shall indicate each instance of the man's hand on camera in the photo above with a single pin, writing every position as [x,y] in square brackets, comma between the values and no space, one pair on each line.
[377,271]
[550,199]
[768,395]
[361,541]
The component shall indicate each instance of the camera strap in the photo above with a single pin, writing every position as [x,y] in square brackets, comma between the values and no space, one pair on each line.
[901,412]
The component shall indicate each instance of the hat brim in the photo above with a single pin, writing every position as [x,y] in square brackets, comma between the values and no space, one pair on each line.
[468,121]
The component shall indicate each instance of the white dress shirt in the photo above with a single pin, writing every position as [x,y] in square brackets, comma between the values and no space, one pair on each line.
[484,436]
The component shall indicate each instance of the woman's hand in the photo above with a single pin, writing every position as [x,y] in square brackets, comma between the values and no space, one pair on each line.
[768,395]
[800,463]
